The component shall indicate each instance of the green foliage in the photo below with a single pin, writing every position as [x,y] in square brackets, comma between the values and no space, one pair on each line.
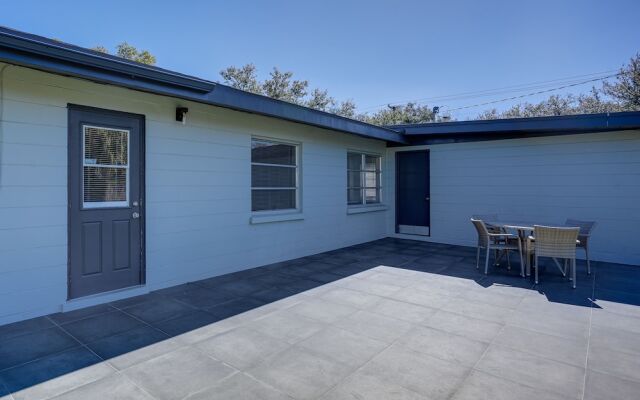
[411,113]
[621,95]
[626,89]
[125,50]
[282,86]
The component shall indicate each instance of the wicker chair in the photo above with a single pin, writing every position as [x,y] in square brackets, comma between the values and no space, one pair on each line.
[555,243]
[498,241]
[586,227]
[487,218]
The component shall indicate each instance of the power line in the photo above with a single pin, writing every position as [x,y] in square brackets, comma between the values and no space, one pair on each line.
[531,94]
[495,91]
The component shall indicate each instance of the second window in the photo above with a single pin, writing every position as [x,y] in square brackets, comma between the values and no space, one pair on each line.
[363,178]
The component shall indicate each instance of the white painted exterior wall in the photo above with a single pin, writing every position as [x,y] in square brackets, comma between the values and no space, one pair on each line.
[198,182]
[547,179]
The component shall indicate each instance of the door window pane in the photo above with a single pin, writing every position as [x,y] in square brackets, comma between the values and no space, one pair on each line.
[105,184]
[105,167]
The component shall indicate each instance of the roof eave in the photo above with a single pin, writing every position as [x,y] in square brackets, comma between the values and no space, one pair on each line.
[65,61]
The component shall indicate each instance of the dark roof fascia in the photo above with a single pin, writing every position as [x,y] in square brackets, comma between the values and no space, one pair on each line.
[465,131]
[48,55]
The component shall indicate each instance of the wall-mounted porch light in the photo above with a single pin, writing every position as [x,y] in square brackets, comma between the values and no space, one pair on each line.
[181,114]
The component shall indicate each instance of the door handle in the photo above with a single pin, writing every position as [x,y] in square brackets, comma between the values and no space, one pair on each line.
[135,215]
[427,198]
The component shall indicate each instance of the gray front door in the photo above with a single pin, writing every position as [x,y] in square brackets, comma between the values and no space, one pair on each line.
[106,188]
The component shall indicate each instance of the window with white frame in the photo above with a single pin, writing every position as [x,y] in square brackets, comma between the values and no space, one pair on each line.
[274,175]
[363,178]
[105,167]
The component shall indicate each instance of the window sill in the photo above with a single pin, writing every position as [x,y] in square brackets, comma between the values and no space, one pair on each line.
[366,209]
[264,219]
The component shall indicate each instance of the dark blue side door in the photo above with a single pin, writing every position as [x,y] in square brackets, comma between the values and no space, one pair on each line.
[413,196]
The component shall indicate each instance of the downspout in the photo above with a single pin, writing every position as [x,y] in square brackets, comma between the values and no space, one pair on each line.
[2,69]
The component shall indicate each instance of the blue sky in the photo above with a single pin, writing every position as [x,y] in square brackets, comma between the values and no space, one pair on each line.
[374,52]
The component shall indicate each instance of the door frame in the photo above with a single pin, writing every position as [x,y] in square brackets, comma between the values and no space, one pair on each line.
[141,160]
[397,194]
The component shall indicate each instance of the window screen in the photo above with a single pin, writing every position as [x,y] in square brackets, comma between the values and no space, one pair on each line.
[274,175]
[363,178]
[105,168]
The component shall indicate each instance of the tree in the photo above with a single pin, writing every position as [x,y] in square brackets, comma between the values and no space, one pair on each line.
[411,113]
[129,52]
[243,78]
[621,95]
[626,89]
[282,86]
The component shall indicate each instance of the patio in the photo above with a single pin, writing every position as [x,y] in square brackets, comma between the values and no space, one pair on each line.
[391,319]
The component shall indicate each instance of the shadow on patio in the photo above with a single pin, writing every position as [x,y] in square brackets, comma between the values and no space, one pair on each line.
[240,328]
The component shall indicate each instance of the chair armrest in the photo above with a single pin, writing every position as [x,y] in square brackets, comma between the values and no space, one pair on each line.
[502,235]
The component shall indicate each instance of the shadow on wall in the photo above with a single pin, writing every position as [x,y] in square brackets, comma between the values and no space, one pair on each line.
[125,332]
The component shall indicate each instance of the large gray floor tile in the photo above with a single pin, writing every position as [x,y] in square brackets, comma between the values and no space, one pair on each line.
[30,346]
[604,386]
[55,374]
[114,387]
[429,376]
[571,351]
[376,326]
[549,324]
[286,326]
[482,386]
[158,310]
[424,298]
[364,387]
[615,339]
[485,296]
[126,342]
[322,310]
[242,347]
[372,287]
[472,328]
[9,331]
[487,312]
[300,373]
[240,387]
[606,360]
[444,345]
[100,326]
[540,305]
[618,321]
[343,346]
[70,316]
[401,310]
[350,297]
[391,278]
[178,374]
[525,368]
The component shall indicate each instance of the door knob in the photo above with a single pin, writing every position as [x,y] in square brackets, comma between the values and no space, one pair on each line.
[135,215]
[427,198]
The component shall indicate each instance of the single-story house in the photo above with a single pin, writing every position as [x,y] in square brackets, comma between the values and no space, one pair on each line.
[118,178]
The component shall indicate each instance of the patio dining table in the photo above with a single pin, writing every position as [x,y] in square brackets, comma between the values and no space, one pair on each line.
[523,229]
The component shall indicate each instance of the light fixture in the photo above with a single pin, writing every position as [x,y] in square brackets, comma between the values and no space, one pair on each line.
[181,114]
